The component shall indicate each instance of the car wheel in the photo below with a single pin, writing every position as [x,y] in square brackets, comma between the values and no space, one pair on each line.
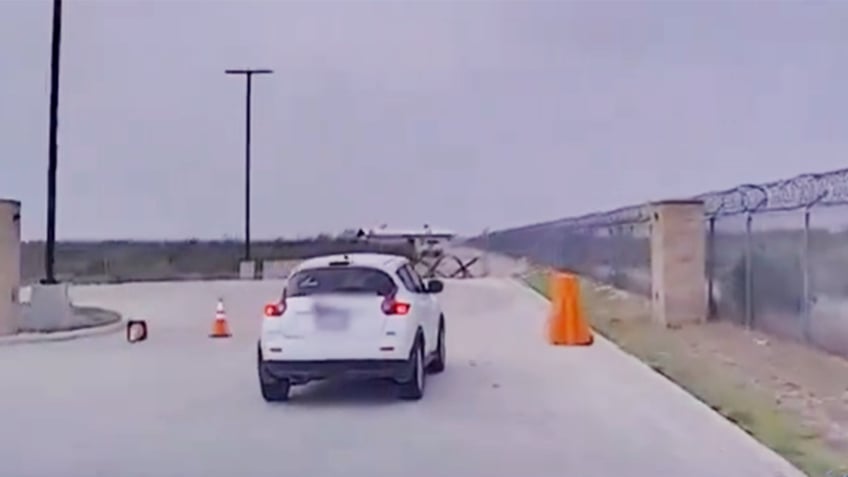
[414,388]
[276,392]
[273,389]
[438,363]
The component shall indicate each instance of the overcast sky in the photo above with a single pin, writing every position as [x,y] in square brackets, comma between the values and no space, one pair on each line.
[461,114]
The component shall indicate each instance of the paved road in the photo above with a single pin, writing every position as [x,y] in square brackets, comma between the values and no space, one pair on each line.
[508,405]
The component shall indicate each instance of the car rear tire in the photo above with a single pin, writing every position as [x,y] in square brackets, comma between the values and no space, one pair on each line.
[276,392]
[438,363]
[413,389]
[273,389]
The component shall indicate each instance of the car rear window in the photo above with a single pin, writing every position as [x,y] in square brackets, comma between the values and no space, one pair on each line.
[340,280]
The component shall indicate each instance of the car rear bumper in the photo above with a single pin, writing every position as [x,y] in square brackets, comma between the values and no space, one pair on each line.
[302,371]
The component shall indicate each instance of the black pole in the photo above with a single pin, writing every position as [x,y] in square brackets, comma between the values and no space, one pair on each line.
[249,77]
[247,169]
[50,251]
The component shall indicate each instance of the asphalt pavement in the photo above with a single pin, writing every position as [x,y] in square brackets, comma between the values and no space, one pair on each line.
[182,404]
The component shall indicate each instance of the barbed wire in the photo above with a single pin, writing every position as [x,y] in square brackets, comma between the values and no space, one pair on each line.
[800,192]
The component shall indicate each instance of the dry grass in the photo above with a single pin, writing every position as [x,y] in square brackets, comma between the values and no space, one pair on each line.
[696,358]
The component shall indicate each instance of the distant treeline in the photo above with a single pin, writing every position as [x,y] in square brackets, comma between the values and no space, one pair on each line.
[124,260]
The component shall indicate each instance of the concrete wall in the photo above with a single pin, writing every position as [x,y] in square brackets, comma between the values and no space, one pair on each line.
[10,266]
[278,269]
[678,258]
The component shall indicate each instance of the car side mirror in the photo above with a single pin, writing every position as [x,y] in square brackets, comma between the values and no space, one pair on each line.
[435,286]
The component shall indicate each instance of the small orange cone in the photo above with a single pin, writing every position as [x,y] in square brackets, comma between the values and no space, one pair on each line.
[567,325]
[220,328]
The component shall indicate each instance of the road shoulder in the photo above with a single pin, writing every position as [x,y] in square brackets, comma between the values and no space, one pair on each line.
[706,363]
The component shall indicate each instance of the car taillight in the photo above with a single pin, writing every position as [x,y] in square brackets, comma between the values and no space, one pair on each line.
[391,306]
[273,310]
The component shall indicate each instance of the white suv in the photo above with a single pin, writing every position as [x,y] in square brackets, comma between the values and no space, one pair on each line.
[360,315]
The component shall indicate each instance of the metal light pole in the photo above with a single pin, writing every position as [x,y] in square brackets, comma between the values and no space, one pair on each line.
[50,251]
[248,74]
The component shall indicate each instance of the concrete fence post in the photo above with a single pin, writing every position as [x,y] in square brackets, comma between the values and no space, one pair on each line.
[678,261]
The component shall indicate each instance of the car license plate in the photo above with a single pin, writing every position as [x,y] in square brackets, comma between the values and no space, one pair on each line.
[332,322]
[331,319]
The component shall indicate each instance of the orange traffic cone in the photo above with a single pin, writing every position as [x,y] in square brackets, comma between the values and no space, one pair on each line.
[567,325]
[220,328]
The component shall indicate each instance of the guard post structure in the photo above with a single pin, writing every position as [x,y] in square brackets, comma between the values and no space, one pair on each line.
[10,266]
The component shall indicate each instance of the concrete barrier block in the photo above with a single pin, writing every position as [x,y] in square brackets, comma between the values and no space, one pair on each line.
[49,308]
[247,270]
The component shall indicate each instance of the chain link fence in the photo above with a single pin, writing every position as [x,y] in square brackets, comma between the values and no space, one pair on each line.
[777,254]
[611,248]
[784,272]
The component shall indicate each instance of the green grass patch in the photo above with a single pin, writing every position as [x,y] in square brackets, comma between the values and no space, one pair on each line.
[625,320]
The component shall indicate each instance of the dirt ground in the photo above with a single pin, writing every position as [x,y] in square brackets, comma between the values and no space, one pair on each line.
[801,380]
[792,398]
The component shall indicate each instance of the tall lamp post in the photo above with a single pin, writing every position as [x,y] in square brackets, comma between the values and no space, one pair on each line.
[50,251]
[248,74]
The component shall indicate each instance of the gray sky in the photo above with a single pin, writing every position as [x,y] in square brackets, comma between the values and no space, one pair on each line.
[462,114]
